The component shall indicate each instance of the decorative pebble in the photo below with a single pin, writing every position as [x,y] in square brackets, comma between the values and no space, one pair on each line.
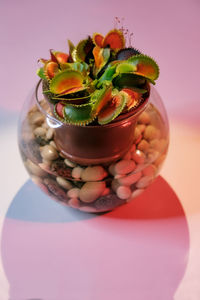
[152,155]
[160,160]
[36,118]
[88,209]
[55,189]
[137,136]
[151,132]
[133,148]
[74,202]
[159,145]
[93,173]
[69,163]
[139,157]
[144,118]
[149,170]
[123,192]
[53,144]
[124,167]
[50,133]
[34,169]
[49,153]
[45,167]
[143,145]
[64,183]
[127,156]
[141,128]
[144,182]
[73,193]
[76,172]
[111,169]
[118,176]
[130,179]
[136,193]
[36,179]
[90,191]
[106,192]
[45,125]
[115,184]
[40,131]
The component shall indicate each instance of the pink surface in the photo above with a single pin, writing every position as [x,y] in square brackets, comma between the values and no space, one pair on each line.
[138,251]
[167,30]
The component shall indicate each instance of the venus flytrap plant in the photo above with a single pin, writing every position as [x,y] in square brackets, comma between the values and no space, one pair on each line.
[98,80]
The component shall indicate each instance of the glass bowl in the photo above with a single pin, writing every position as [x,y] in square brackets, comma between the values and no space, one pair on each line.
[93,168]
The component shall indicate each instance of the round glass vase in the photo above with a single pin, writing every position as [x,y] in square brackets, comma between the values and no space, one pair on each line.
[93,168]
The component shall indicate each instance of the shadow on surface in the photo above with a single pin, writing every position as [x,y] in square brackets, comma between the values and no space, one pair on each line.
[138,251]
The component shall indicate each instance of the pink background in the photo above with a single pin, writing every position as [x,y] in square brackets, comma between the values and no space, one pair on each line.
[166,30]
[131,253]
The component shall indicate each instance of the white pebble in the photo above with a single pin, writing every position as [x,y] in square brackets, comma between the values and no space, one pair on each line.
[139,157]
[90,191]
[95,173]
[45,125]
[50,133]
[123,192]
[69,163]
[53,144]
[76,172]
[144,182]
[36,118]
[49,153]
[124,167]
[130,179]
[34,169]
[39,131]
[73,193]
[64,183]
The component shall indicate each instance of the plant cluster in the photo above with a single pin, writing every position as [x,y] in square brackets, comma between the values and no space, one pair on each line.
[97,80]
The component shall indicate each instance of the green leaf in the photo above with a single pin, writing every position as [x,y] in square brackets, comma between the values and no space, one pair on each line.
[67,81]
[145,66]
[79,114]
[41,74]
[110,112]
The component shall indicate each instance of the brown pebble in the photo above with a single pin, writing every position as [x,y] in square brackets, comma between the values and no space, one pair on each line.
[144,118]
[160,160]
[151,132]
[143,145]
[36,118]
[141,128]
[139,157]
[74,202]
[124,167]
[149,170]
